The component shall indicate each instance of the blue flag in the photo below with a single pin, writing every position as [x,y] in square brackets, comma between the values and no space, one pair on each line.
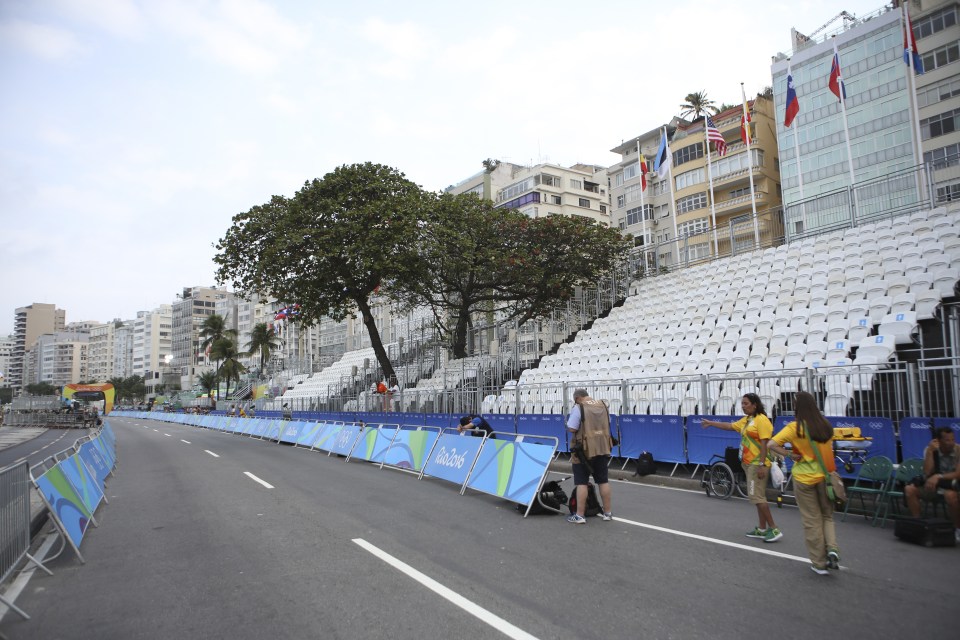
[663,160]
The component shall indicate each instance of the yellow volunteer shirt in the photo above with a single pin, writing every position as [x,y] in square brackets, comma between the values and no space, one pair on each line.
[757,427]
[808,470]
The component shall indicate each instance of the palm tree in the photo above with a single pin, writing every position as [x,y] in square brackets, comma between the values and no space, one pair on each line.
[119,392]
[214,328]
[697,104]
[263,340]
[208,382]
[225,351]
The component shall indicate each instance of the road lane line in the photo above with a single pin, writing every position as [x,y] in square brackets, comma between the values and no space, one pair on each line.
[211,453]
[256,479]
[725,543]
[477,611]
[186,441]
[168,435]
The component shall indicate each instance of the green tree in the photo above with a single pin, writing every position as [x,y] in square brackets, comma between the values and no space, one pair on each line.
[226,353]
[6,395]
[41,389]
[331,247]
[214,328]
[208,382]
[119,393]
[134,388]
[697,104]
[477,258]
[263,341]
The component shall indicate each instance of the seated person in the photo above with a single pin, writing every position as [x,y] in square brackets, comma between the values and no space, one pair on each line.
[941,476]
[472,421]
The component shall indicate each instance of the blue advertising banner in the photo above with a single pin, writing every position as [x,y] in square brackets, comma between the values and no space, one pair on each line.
[544,424]
[660,435]
[326,436]
[272,431]
[880,429]
[915,435]
[83,482]
[374,443]
[345,439]
[506,422]
[410,447]
[106,450]
[702,443]
[65,505]
[96,461]
[452,457]
[291,431]
[511,470]
[442,420]
[308,433]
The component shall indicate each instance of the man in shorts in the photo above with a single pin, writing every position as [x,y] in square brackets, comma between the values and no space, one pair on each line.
[941,477]
[589,420]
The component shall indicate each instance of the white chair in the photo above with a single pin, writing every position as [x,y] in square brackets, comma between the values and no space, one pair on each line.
[855,291]
[816,350]
[902,326]
[838,398]
[836,312]
[877,349]
[903,302]
[817,330]
[945,280]
[880,307]
[927,303]
[897,285]
[859,329]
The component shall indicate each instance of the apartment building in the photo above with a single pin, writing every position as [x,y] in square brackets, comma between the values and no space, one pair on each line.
[848,152]
[30,323]
[188,313]
[60,358]
[152,339]
[100,351]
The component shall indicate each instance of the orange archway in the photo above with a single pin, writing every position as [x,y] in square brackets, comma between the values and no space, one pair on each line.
[93,392]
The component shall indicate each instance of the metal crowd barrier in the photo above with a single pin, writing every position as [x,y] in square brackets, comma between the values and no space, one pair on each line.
[14,523]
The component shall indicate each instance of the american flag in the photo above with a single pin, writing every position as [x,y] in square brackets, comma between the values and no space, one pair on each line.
[713,134]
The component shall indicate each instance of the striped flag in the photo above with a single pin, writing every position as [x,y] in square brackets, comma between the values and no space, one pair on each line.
[745,124]
[713,135]
[836,79]
[643,173]
[910,53]
[662,162]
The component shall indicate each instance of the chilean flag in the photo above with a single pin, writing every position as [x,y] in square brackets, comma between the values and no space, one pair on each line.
[836,80]
[910,52]
[793,105]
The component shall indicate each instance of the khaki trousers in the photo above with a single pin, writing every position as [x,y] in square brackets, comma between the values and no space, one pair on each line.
[816,514]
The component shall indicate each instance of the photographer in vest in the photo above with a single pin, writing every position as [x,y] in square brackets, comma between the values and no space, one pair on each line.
[590,423]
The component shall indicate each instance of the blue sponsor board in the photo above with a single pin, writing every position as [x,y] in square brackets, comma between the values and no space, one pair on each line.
[308,433]
[511,470]
[291,431]
[410,447]
[96,461]
[345,439]
[452,457]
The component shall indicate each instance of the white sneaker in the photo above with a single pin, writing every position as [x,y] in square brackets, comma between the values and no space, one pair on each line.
[607,517]
[819,572]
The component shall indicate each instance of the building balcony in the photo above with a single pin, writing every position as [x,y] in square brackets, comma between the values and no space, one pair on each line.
[733,203]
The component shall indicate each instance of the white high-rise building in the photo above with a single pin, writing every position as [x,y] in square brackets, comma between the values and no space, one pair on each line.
[152,333]
[100,351]
[123,349]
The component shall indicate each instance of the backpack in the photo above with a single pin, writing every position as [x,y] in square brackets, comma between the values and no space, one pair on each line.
[645,464]
[593,502]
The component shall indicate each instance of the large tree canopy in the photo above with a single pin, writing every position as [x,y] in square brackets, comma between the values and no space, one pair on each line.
[330,247]
[477,258]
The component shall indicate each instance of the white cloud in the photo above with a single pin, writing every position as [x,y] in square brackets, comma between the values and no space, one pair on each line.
[50,43]
[118,17]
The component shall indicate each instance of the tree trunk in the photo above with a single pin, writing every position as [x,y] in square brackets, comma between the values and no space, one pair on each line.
[460,335]
[375,342]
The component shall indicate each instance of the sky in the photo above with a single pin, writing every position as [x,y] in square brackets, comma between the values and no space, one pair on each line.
[131,132]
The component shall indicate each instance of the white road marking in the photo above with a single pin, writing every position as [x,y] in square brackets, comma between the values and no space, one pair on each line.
[168,435]
[156,430]
[186,441]
[211,453]
[724,543]
[20,582]
[477,611]
[256,479]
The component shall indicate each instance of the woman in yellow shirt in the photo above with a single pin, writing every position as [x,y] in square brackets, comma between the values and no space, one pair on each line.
[809,430]
[755,431]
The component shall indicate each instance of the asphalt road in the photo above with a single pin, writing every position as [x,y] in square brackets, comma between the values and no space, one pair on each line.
[37,448]
[190,546]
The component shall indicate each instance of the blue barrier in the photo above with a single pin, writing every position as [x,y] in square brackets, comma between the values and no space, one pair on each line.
[884,441]
[953,423]
[549,425]
[702,443]
[512,470]
[96,461]
[308,434]
[441,420]
[83,481]
[452,457]
[291,431]
[501,422]
[411,447]
[65,506]
[915,435]
[375,442]
[662,436]
[345,439]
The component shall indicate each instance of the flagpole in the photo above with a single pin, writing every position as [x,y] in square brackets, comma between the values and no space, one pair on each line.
[912,87]
[846,130]
[796,154]
[643,206]
[713,206]
[753,193]
[673,198]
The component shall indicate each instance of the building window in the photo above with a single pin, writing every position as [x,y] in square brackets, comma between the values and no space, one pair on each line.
[603,208]
[935,22]
[689,179]
[687,154]
[555,200]
[691,203]
[516,203]
[943,157]
[697,251]
[948,193]
[583,202]
[631,171]
[621,201]
[939,92]
[576,184]
[736,193]
[549,180]
[635,216]
[941,56]
[693,227]
[939,125]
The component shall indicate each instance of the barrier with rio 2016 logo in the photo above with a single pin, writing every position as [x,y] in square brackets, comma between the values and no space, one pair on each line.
[513,466]
[453,456]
